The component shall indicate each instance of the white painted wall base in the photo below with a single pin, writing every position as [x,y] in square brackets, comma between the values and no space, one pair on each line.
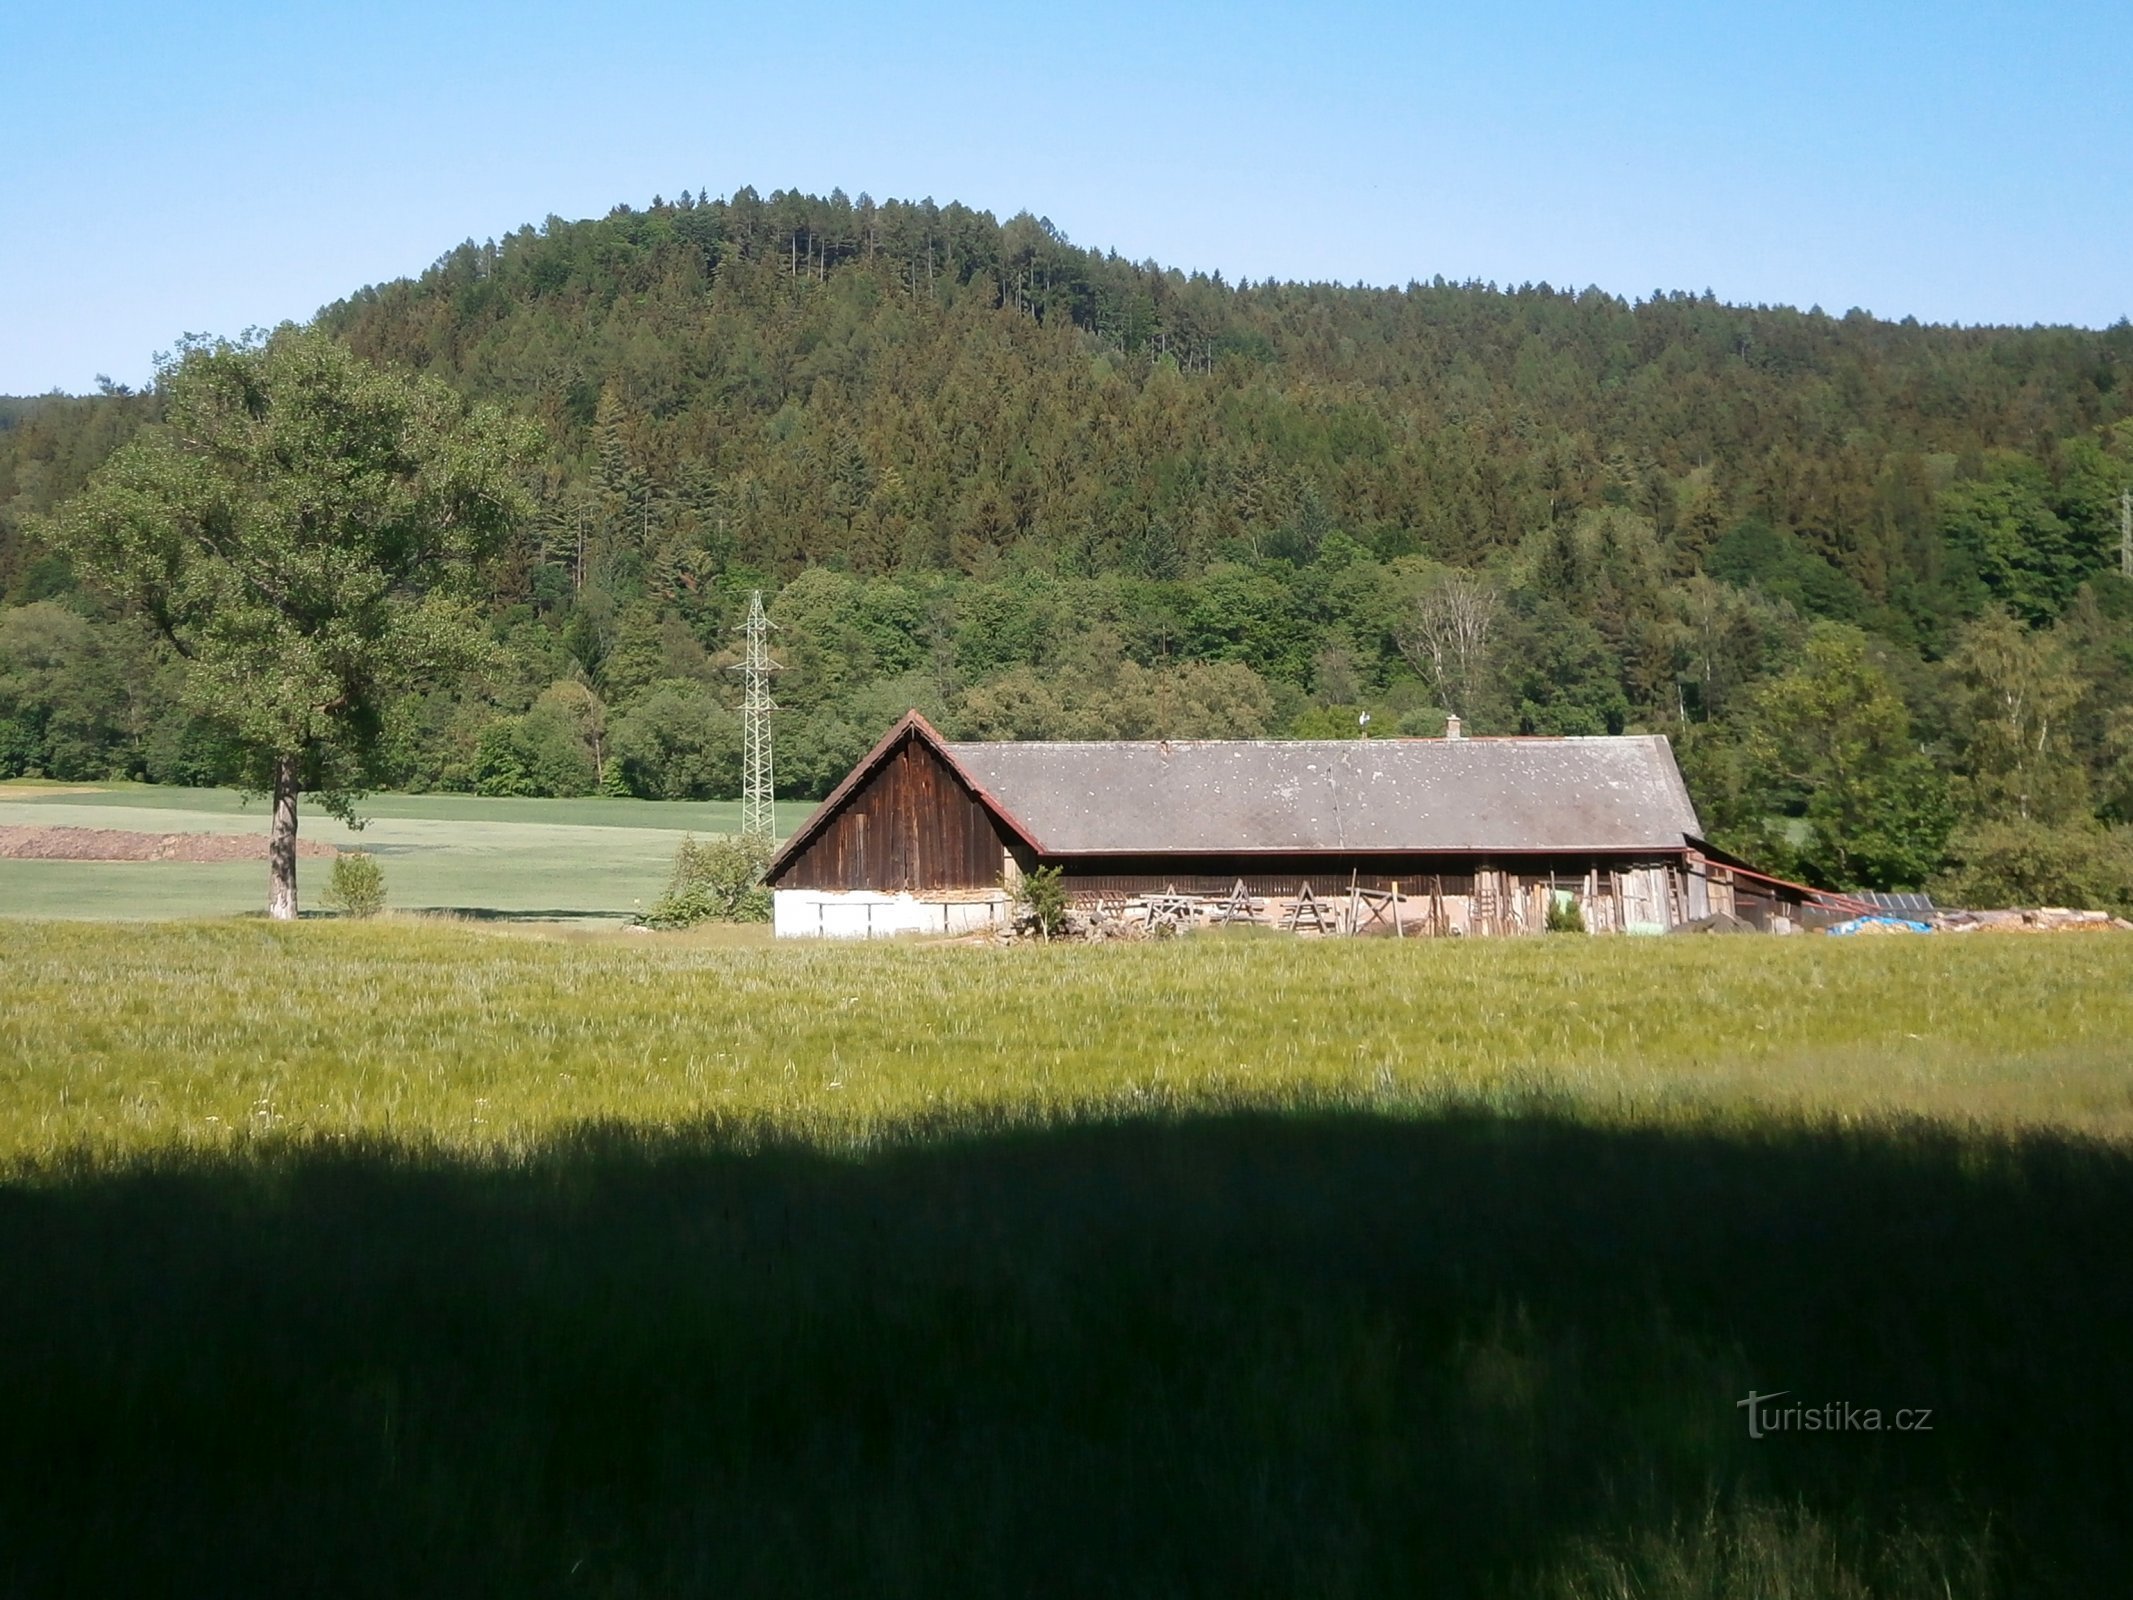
[864,914]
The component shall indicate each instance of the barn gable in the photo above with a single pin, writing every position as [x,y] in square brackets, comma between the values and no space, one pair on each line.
[905,819]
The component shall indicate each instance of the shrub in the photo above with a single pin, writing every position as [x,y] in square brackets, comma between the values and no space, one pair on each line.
[1565,915]
[357,885]
[719,879]
[1043,899]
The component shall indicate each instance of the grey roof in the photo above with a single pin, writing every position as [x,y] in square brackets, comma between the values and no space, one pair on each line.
[1568,795]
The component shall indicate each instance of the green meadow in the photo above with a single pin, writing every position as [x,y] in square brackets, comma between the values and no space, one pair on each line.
[131,1041]
[520,860]
[437,1256]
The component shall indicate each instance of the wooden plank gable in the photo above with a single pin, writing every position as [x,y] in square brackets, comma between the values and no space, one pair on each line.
[910,823]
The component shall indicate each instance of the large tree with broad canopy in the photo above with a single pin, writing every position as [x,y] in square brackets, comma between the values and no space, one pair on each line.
[304,530]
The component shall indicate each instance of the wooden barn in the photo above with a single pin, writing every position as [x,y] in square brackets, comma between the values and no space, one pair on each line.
[1423,836]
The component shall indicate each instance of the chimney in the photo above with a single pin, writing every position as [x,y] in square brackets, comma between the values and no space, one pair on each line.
[1451,728]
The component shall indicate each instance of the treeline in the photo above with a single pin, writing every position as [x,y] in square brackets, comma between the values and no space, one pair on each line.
[1865,572]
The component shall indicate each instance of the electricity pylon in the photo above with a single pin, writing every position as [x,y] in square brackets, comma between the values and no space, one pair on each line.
[758,819]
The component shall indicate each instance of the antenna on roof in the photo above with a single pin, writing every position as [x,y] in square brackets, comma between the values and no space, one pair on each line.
[758,813]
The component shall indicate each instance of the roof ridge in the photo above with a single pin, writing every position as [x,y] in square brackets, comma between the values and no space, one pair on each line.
[1399,741]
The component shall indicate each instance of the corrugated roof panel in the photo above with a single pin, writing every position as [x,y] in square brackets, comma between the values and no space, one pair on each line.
[1909,904]
[1347,794]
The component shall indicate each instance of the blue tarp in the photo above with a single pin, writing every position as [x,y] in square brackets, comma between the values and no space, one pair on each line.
[1860,924]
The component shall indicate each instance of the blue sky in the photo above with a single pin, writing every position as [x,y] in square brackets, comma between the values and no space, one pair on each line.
[169,169]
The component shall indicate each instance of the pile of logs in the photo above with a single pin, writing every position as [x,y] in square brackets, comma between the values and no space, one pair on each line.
[2046,919]
[1339,913]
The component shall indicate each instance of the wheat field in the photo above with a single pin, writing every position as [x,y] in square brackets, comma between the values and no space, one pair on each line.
[454,1036]
[425,1257]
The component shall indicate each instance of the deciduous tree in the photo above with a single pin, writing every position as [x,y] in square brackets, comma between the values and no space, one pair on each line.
[302,528]
[1832,738]
[1446,637]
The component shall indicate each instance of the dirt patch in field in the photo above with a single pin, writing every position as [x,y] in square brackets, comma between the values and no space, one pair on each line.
[118,844]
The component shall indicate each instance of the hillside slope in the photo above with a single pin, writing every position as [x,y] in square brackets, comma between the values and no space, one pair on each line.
[1039,490]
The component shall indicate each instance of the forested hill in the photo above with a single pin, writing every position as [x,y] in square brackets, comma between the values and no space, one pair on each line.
[901,387]
[1040,490]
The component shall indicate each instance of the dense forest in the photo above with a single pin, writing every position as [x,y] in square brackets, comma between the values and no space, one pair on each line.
[1867,574]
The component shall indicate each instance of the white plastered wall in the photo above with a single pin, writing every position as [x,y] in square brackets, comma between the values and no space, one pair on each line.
[864,914]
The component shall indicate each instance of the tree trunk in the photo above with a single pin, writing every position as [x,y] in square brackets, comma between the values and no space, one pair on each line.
[281,844]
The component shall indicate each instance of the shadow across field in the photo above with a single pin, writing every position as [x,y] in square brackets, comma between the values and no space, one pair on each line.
[1230,1356]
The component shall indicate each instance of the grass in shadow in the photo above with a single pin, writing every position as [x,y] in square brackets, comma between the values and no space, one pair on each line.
[1223,1355]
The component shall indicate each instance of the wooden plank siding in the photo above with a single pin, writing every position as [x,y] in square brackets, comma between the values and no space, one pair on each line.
[1472,895]
[1285,875]
[913,825]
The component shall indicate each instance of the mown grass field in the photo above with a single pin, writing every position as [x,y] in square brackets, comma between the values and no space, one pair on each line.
[428,1258]
[516,860]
